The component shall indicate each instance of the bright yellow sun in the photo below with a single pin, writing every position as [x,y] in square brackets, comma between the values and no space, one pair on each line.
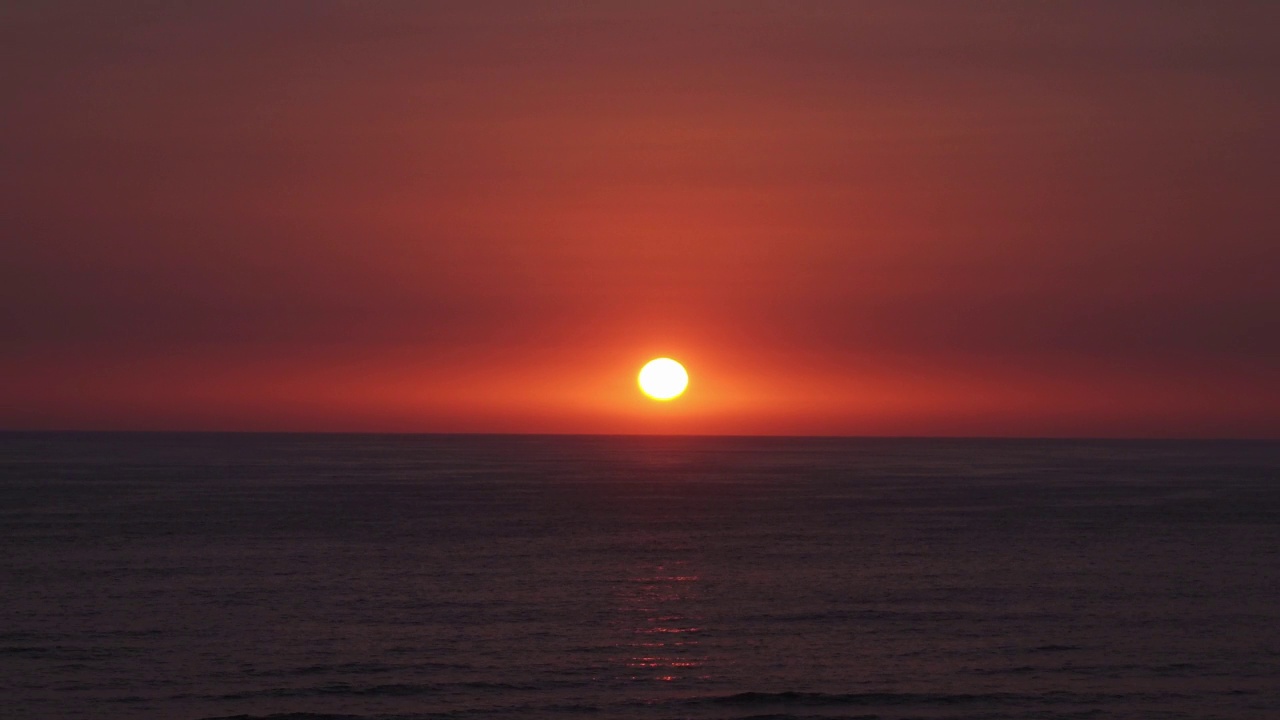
[663,379]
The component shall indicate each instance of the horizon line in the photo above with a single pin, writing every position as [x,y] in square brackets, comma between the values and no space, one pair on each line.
[460,434]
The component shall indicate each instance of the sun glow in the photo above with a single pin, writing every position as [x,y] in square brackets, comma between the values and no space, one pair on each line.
[663,379]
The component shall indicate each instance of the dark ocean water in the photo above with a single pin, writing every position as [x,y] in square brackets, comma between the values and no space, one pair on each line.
[330,576]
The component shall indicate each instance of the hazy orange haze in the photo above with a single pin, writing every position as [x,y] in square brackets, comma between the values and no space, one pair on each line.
[844,218]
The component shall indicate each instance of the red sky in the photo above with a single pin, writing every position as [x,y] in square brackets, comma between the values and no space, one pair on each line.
[926,218]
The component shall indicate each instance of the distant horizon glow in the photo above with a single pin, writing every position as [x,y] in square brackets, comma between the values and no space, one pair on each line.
[851,219]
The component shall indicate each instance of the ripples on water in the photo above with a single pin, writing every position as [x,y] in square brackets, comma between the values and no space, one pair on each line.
[323,576]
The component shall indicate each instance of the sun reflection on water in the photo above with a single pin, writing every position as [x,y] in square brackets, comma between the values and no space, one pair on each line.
[658,608]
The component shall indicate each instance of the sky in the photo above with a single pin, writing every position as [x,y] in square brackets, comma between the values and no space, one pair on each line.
[844,218]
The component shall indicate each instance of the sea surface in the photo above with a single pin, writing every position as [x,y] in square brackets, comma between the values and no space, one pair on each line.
[194,576]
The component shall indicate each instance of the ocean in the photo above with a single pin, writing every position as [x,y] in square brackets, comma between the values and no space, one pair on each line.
[196,576]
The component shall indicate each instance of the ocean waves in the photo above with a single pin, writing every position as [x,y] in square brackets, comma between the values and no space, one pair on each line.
[797,705]
[438,578]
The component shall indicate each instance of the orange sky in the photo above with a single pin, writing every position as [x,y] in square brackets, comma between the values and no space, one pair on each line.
[927,218]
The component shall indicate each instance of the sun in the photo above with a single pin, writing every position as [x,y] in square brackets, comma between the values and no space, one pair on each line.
[663,379]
